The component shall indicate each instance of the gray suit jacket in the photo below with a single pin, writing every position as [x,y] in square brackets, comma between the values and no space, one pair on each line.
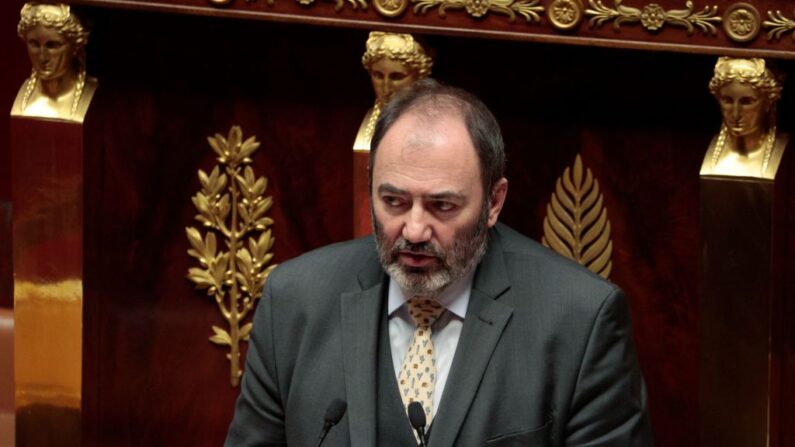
[545,355]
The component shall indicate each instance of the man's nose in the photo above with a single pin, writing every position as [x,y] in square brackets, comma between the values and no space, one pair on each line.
[416,228]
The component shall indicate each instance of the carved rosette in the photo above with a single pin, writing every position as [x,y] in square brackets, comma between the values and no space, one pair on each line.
[565,15]
[390,8]
[576,225]
[653,17]
[741,22]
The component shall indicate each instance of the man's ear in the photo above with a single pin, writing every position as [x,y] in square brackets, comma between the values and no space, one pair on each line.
[498,193]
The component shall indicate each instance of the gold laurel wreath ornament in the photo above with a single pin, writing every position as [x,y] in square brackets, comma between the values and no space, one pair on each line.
[232,205]
[576,225]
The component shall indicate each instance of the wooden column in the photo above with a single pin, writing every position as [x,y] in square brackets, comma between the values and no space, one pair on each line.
[47,228]
[361,194]
[740,308]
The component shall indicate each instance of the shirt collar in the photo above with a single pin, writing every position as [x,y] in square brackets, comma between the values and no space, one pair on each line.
[454,297]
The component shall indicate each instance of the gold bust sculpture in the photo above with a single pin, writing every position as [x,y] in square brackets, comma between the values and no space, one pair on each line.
[58,86]
[748,144]
[393,61]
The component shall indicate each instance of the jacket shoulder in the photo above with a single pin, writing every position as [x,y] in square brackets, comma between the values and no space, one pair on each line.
[527,260]
[332,265]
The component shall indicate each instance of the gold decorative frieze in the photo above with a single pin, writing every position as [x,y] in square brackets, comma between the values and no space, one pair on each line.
[576,225]
[778,25]
[741,22]
[565,14]
[232,206]
[653,17]
[528,9]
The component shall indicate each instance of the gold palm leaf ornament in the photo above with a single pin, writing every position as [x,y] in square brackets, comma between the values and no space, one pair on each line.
[576,224]
[231,205]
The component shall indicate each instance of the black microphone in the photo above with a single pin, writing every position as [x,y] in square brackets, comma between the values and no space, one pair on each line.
[417,420]
[334,412]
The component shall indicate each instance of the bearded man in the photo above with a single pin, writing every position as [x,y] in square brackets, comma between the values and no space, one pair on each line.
[500,341]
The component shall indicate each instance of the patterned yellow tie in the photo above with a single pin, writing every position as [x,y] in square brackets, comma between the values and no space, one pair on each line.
[418,373]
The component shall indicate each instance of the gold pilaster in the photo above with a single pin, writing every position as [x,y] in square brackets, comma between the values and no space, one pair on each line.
[47,225]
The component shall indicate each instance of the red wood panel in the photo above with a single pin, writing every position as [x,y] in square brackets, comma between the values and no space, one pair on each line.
[152,369]
[362,223]
[784,347]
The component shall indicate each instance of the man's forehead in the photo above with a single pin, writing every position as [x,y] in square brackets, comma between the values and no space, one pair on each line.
[420,127]
[419,137]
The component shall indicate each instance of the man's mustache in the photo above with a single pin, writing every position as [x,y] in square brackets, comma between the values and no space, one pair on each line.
[419,248]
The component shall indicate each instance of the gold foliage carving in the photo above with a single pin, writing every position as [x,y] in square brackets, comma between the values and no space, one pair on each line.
[338,4]
[653,17]
[231,205]
[576,225]
[779,25]
[528,9]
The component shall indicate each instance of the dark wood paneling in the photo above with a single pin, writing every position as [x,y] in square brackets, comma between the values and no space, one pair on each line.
[642,122]
[783,360]
[736,298]
[157,378]
[362,223]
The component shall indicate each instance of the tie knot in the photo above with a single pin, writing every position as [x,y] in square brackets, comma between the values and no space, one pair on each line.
[424,311]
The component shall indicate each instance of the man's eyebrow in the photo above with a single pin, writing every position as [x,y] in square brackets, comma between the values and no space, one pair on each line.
[391,189]
[445,195]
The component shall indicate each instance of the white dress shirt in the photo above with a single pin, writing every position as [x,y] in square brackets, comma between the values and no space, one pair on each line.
[445,331]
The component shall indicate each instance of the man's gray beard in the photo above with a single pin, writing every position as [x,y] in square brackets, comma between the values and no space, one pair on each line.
[468,249]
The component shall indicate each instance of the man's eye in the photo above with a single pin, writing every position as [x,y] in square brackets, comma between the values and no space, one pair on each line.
[392,201]
[444,206]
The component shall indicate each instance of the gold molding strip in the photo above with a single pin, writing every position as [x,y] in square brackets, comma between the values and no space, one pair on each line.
[576,225]
[653,17]
[232,205]
[779,25]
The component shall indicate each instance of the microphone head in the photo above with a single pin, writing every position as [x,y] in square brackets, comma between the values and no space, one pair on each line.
[335,411]
[416,415]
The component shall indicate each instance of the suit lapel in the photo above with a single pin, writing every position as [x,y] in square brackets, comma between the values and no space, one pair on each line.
[485,321]
[360,316]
